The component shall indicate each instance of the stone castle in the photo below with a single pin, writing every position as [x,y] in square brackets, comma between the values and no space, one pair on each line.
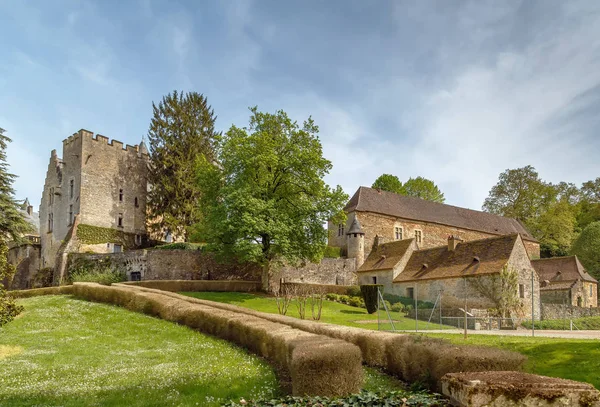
[99,188]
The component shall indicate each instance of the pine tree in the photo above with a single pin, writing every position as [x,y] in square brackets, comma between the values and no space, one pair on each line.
[12,226]
[181,131]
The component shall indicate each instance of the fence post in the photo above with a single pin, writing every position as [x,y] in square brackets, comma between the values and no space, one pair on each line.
[532,307]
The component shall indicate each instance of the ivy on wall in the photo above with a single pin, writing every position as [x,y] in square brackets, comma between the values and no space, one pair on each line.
[88,234]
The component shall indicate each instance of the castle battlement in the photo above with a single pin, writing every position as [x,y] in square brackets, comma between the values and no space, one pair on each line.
[99,138]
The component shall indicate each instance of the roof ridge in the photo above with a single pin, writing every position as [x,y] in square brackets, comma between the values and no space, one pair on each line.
[469,242]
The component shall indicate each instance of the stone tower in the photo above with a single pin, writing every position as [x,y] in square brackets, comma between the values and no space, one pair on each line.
[356,243]
[99,184]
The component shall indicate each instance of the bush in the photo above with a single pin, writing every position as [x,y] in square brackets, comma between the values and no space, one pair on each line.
[370,295]
[398,307]
[395,299]
[106,276]
[354,291]
[332,252]
[365,398]
[332,297]
[180,246]
[356,302]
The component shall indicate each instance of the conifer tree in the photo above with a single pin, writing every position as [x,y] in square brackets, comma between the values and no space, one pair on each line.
[182,130]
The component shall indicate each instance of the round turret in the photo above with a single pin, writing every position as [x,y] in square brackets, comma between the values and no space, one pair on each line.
[356,242]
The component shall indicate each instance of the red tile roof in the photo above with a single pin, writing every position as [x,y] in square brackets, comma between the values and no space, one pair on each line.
[388,203]
[561,269]
[473,258]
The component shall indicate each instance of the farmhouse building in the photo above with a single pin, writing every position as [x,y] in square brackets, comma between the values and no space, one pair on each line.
[474,271]
[563,280]
[94,198]
[386,216]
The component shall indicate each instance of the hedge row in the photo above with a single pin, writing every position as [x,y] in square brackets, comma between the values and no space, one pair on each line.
[34,292]
[411,358]
[198,285]
[324,288]
[316,364]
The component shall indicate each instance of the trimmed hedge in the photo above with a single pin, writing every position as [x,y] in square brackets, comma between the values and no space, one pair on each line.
[324,288]
[34,292]
[199,285]
[371,297]
[426,362]
[316,364]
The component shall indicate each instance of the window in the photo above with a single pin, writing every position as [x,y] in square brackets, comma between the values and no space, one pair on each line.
[136,276]
[50,222]
[398,233]
[120,195]
[521,290]
[374,279]
[70,215]
[71,187]
[138,240]
[120,220]
[51,196]
[117,248]
[137,205]
[341,229]
[410,292]
[419,236]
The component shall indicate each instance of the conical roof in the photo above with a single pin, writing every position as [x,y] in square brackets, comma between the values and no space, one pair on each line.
[142,148]
[355,228]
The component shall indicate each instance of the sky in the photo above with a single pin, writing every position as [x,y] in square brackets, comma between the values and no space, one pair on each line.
[454,91]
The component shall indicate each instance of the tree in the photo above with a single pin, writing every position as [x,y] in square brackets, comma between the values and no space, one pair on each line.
[501,289]
[589,204]
[182,129]
[423,188]
[520,194]
[555,229]
[587,248]
[12,226]
[266,201]
[388,182]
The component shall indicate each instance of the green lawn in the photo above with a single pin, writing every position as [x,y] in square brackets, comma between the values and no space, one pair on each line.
[333,312]
[68,352]
[565,358]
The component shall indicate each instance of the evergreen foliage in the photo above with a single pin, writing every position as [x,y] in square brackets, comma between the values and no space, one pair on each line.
[587,248]
[369,292]
[182,131]
[266,201]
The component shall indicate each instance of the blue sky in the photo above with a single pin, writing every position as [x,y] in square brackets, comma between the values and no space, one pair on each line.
[456,91]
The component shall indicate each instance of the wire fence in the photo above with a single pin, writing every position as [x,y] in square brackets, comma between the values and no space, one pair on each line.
[412,317]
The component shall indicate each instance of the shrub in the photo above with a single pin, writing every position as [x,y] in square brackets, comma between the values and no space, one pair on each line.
[394,299]
[355,302]
[332,252]
[365,398]
[106,276]
[354,291]
[370,295]
[332,297]
[344,299]
[398,307]
[34,292]
[180,246]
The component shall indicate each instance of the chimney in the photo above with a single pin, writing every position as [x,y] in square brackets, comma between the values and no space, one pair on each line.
[453,242]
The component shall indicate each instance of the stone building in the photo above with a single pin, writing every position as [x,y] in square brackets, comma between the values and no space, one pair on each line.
[387,216]
[455,273]
[25,254]
[563,280]
[94,198]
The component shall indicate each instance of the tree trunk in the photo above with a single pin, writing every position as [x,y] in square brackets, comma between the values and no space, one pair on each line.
[266,270]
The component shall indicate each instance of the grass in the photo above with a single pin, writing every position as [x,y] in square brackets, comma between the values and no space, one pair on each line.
[573,359]
[333,312]
[565,324]
[67,352]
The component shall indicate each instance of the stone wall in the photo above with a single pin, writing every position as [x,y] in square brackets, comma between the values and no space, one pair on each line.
[26,259]
[433,235]
[328,271]
[558,311]
[172,265]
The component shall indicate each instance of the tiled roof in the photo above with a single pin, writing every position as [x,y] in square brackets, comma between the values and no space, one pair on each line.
[386,256]
[474,258]
[388,203]
[558,285]
[557,269]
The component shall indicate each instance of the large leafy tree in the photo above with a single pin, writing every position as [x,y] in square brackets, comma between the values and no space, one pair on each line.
[587,248]
[12,226]
[266,200]
[388,182]
[589,203]
[555,228]
[520,194]
[182,130]
[423,188]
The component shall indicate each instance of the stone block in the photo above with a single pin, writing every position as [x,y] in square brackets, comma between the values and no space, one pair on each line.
[507,389]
